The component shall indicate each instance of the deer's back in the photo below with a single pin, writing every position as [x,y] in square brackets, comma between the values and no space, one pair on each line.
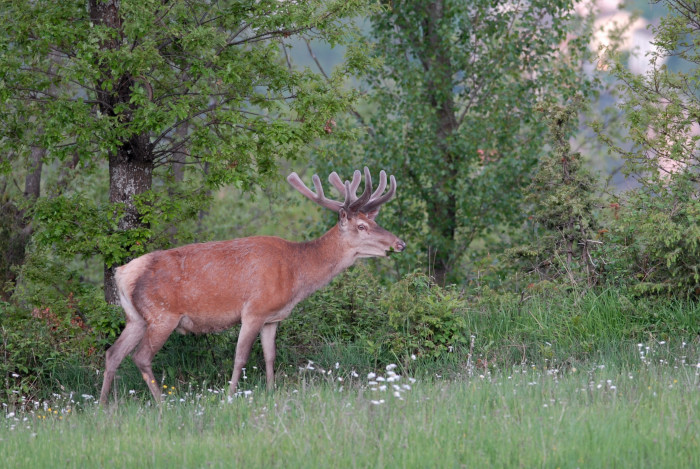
[213,284]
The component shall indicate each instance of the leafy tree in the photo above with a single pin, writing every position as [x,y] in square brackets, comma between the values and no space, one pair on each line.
[150,88]
[451,112]
[656,235]
[561,204]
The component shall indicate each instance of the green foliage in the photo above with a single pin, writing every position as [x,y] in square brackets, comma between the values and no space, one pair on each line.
[562,206]
[27,355]
[346,310]
[36,344]
[425,319]
[655,236]
[75,309]
[654,243]
[179,100]
[390,323]
[451,112]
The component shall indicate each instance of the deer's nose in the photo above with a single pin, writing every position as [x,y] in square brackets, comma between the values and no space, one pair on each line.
[399,246]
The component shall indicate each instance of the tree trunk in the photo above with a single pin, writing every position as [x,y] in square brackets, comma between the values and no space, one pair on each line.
[442,209]
[130,174]
[32,183]
[131,165]
[17,228]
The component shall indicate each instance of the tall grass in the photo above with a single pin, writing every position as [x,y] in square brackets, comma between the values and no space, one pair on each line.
[592,380]
[597,416]
[556,330]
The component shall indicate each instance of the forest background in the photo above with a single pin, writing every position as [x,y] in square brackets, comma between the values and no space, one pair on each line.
[547,176]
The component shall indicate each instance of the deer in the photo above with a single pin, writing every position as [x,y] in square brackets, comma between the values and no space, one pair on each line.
[254,281]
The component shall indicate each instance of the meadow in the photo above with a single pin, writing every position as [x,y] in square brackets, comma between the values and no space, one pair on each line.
[641,412]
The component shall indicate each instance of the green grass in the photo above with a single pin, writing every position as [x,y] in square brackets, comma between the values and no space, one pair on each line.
[597,416]
[594,380]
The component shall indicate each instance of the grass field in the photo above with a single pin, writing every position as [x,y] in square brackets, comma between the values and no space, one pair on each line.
[644,414]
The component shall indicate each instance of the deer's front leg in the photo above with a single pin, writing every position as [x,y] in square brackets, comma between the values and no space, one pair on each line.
[267,337]
[249,331]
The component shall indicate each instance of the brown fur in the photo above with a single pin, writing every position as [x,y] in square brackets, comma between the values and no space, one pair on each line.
[209,287]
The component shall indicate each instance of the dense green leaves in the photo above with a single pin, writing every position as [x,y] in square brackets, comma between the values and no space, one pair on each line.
[561,204]
[655,237]
[180,98]
[451,113]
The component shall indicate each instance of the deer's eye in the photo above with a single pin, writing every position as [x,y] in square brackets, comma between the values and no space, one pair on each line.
[361,227]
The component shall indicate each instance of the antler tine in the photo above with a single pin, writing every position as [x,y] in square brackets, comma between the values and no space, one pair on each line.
[375,203]
[318,197]
[334,179]
[339,185]
[359,204]
[382,185]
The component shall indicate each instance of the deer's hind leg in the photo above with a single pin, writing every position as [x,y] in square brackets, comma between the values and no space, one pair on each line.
[127,341]
[153,340]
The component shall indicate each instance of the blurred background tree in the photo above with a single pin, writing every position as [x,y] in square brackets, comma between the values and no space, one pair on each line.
[561,203]
[654,244]
[450,111]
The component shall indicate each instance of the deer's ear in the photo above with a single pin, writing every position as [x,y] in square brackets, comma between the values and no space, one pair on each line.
[342,217]
[372,214]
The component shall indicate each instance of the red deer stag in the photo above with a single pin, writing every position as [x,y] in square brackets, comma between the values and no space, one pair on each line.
[254,281]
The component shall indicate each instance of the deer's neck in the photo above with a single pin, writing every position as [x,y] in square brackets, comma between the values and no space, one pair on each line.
[323,258]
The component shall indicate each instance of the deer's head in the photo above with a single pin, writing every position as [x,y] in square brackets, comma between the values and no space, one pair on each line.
[359,232]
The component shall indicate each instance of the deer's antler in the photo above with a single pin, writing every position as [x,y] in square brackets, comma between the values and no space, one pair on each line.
[365,203]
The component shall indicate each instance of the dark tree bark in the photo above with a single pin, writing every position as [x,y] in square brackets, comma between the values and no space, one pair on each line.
[442,210]
[32,183]
[16,228]
[131,165]
[130,174]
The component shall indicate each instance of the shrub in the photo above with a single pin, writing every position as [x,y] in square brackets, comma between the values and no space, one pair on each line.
[413,316]
[561,203]
[656,246]
[424,319]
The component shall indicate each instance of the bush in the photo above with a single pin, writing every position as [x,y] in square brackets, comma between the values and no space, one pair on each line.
[423,318]
[654,246]
[656,241]
[388,322]
[561,204]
